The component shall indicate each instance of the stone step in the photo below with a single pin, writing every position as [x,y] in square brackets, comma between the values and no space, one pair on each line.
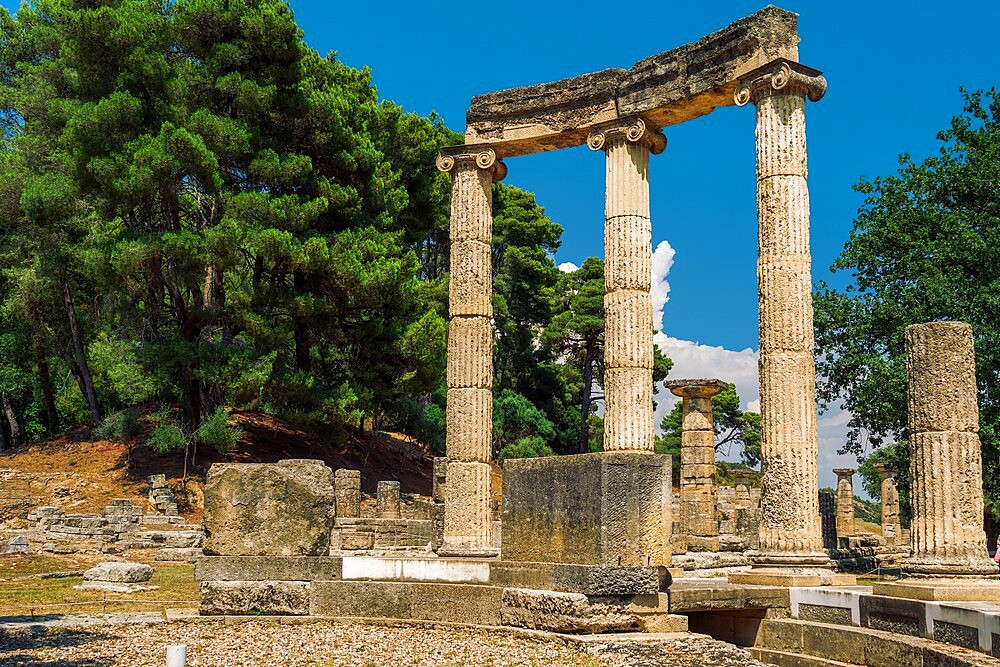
[783,659]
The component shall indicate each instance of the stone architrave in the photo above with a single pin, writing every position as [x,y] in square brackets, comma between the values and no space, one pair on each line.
[890,506]
[791,540]
[467,522]
[948,556]
[628,337]
[845,502]
[699,511]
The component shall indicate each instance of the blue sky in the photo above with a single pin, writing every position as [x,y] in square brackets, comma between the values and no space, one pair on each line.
[894,71]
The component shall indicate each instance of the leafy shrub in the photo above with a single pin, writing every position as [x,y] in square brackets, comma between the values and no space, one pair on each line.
[216,432]
[123,425]
[526,448]
[166,437]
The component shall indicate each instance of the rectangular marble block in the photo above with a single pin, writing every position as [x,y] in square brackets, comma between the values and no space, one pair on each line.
[610,508]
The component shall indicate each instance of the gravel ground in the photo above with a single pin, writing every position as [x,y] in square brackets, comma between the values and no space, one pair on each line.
[344,645]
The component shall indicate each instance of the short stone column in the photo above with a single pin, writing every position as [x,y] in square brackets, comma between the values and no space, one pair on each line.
[948,557]
[469,443]
[791,540]
[743,498]
[628,312]
[347,490]
[890,506]
[845,502]
[699,512]
[387,500]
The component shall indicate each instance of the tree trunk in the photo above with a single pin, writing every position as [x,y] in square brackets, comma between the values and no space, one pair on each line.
[588,382]
[15,429]
[45,384]
[4,444]
[153,306]
[81,359]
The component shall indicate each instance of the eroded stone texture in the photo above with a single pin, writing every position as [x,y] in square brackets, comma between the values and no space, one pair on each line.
[467,521]
[667,88]
[269,509]
[469,434]
[699,513]
[470,352]
[564,612]
[248,598]
[119,573]
[946,532]
[890,506]
[611,508]
[790,532]
[845,502]
[628,347]
[347,485]
[387,500]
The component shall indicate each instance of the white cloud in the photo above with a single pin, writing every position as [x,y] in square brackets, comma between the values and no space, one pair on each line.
[568,267]
[663,260]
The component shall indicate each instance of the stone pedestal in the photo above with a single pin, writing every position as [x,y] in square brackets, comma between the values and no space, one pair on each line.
[845,502]
[890,506]
[699,512]
[947,540]
[467,522]
[610,508]
[790,535]
[628,337]
[347,485]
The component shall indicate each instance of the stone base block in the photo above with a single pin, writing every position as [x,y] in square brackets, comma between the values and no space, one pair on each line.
[180,555]
[610,508]
[698,543]
[267,568]
[272,598]
[941,590]
[564,612]
[586,579]
[766,576]
[458,603]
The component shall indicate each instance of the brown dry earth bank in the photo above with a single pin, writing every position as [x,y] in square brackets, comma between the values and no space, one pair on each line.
[348,645]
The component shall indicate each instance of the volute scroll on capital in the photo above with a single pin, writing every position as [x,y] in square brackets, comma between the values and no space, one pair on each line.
[783,77]
[634,130]
[483,158]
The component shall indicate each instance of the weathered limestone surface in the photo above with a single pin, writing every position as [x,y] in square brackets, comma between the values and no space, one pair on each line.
[667,88]
[267,568]
[790,533]
[845,501]
[467,521]
[563,612]
[248,598]
[269,509]
[347,485]
[946,533]
[119,573]
[699,512]
[628,347]
[610,508]
[890,506]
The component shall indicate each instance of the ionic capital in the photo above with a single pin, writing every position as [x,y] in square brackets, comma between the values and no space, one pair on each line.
[482,157]
[633,130]
[780,77]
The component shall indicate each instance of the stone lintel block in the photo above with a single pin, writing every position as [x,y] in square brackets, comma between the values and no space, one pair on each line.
[628,316]
[668,88]
[611,508]
[469,430]
[467,521]
[470,352]
[267,568]
[269,509]
[941,384]
[247,598]
[470,291]
[628,255]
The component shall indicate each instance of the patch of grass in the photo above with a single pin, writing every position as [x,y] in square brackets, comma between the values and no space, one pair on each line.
[26,597]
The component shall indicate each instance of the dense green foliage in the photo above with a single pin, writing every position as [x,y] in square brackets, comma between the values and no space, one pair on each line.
[199,212]
[922,249]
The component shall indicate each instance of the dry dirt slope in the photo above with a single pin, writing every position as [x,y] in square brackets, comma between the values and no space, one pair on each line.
[79,474]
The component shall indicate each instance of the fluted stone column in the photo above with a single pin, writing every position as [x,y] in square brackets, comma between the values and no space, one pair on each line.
[845,501]
[948,556]
[467,520]
[628,337]
[890,506]
[699,512]
[791,541]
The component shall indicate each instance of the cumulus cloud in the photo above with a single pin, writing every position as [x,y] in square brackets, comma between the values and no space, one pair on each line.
[659,294]
[568,267]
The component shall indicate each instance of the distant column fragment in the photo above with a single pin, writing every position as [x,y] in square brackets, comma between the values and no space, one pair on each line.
[890,506]
[845,502]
